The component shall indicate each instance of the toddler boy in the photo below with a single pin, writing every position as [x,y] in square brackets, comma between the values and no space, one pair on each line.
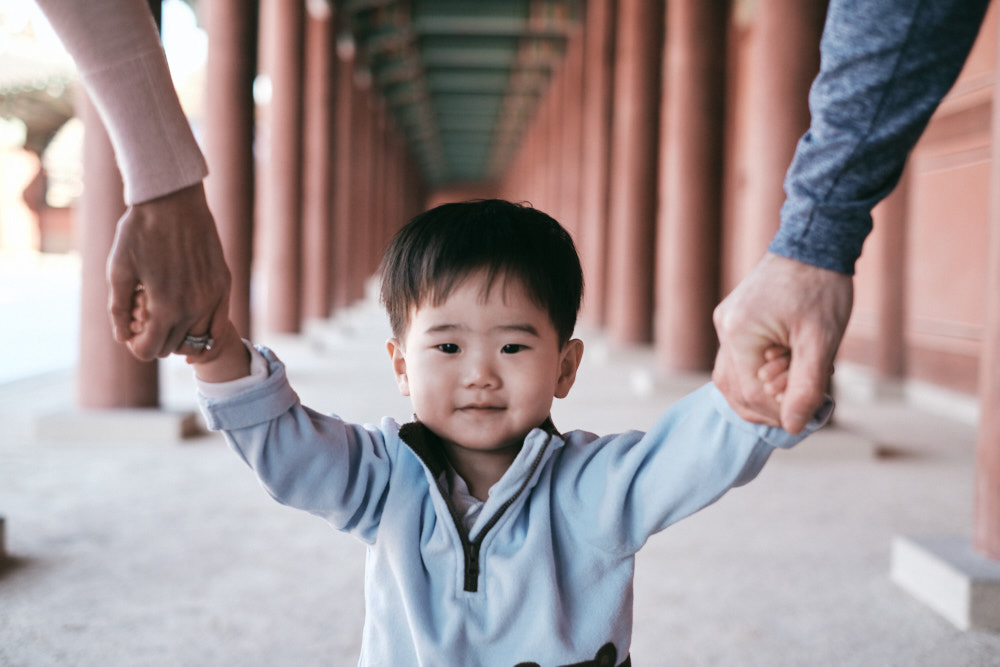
[493,538]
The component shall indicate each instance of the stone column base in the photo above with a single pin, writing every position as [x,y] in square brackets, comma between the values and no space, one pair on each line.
[118,426]
[950,577]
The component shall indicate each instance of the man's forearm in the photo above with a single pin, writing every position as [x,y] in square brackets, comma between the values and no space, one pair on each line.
[886,65]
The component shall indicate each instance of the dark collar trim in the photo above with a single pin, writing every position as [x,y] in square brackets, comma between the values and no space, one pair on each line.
[427,445]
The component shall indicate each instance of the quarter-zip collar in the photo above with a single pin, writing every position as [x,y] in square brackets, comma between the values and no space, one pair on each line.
[514,483]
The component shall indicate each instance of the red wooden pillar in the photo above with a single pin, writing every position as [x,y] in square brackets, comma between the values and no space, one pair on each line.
[394,194]
[890,223]
[542,150]
[108,376]
[400,211]
[343,174]
[526,182]
[281,58]
[318,155]
[229,120]
[361,181]
[536,172]
[690,184]
[571,112]
[417,187]
[554,144]
[556,140]
[382,185]
[986,524]
[599,36]
[538,155]
[512,181]
[785,59]
[633,170]
[378,190]
[390,191]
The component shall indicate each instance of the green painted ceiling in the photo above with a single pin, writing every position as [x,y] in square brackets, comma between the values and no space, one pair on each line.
[461,78]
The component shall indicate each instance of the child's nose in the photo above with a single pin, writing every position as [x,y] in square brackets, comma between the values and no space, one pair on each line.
[481,372]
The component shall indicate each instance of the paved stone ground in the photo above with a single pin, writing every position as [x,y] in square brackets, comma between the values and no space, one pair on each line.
[170,554]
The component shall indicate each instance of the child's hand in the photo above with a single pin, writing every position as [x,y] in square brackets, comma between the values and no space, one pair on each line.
[226,360]
[774,373]
[140,311]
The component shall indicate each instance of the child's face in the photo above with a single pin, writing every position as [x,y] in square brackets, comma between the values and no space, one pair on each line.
[482,372]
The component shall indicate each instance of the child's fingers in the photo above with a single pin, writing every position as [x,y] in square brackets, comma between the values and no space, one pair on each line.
[773,368]
[775,351]
[774,373]
[776,387]
[140,311]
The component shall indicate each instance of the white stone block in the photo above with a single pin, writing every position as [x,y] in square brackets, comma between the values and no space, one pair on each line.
[949,576]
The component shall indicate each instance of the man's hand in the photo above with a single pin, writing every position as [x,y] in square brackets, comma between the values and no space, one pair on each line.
[170,247]
[793,306]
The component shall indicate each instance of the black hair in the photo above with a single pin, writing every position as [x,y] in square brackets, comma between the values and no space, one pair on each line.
[440,247]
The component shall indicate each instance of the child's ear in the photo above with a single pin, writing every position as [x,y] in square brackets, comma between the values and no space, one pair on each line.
[395,349]
[569,362]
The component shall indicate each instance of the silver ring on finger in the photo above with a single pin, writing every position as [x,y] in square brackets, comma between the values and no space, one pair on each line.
[200,343]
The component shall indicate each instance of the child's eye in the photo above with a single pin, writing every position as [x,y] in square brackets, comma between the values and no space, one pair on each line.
[513,348]
[448,348]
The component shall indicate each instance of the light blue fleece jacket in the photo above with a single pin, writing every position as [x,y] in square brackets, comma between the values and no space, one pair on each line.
[544,576]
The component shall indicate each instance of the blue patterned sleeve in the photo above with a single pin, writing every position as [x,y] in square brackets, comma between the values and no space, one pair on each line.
[885,66]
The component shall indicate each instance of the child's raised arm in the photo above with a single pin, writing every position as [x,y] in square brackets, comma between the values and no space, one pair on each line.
[227,358]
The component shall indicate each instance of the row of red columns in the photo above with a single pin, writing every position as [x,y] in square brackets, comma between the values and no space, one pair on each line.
[621,170]
[306,214]
[647,125]
[664,227]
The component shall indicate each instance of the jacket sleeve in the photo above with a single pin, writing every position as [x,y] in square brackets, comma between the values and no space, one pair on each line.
[313,462]
[117,51]
[885,66]
[621,489]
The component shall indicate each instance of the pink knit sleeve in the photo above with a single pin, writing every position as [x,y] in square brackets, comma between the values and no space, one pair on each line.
[122,65]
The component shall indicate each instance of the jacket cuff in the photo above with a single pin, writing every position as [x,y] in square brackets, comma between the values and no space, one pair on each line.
[262,402]
[773,435]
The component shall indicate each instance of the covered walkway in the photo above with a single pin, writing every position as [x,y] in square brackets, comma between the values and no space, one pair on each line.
[659,134]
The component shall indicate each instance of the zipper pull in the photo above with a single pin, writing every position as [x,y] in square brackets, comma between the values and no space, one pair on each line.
[472,567]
